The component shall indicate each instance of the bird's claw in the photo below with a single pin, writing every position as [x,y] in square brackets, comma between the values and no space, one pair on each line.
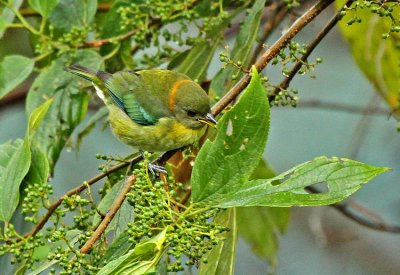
[154,168]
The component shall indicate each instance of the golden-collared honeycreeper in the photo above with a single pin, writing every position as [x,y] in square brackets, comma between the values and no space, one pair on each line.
[152,110]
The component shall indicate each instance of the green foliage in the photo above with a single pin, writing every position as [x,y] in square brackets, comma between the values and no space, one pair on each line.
[261,226]
[231,158]
[166,223]
[69,106]
[73,13]
[43,7]
[14,164]
[374,37]
[240,52]
[7,15]
[14,69]
[221,259]
[142,259]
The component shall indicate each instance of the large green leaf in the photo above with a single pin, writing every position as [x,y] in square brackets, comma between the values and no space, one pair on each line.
[260,226]
[13,70]
[378,58]
[142,259]
[342,178]
[44,7]
[221,259]
[15,159]
[222,165]
[7,16]
[15,162]
[242,50]
[70,13]
[69,105]
[39,171]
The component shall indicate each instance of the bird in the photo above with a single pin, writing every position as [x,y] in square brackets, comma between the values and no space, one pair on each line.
[153,110]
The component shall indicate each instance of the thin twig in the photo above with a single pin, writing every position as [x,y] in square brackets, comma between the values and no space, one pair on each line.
[345,209]
[342,107]
[109,216]
[268,55]
[310,48]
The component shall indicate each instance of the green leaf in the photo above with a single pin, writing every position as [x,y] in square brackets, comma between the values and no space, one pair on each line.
[70,13]
[69,104]
[342,178]
[15,159]
[7,16]
[142,259]
[14,69]
[260,226]
[377,58]
[44,7]
[242,50]
[221,259]
[231,158]
[39,171]
[37,116]
[119,247]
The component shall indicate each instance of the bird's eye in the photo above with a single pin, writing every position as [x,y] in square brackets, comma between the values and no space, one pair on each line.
[191,113]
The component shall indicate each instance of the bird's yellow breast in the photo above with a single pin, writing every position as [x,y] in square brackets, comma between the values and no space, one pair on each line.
[166,134]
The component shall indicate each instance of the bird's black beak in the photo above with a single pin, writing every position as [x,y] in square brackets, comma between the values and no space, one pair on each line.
[208,119]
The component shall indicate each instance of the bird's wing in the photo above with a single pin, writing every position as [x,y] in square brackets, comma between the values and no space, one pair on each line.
[122,87]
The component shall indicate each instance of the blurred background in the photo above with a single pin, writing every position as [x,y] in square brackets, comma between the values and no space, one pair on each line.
[319,239]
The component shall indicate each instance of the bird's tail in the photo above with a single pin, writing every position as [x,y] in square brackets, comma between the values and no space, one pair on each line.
[84,72]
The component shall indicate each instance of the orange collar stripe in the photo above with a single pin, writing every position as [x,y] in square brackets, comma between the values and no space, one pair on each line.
[173,92]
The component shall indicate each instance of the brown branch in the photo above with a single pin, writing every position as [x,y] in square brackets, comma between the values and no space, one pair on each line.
[268,55]
[328,27]
[346,209]
[28,12]
[278,14]
[109,216]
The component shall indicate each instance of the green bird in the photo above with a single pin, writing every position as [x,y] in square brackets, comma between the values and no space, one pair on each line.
[153,110]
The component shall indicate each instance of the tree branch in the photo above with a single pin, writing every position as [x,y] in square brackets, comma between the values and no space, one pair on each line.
[268,55]
[109,216]
[278,14]
[328,27]
[347,108]
[346,209]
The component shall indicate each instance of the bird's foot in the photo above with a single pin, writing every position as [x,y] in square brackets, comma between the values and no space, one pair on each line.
[154,169]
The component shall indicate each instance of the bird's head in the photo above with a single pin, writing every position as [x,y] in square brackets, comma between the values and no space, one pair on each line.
[191,105]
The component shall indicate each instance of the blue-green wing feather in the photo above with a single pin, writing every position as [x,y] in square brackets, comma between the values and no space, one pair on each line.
[122,87]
